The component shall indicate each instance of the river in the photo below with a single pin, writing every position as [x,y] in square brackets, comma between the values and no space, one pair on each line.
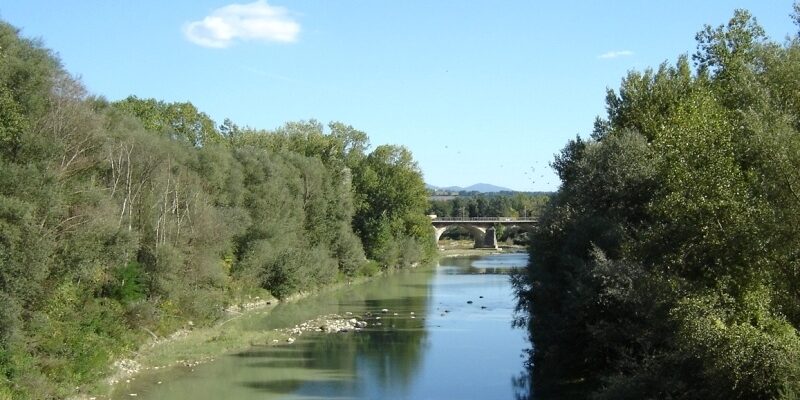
[447,335]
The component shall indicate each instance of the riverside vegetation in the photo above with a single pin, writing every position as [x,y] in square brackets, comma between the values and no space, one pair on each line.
[667,265]
[124,220]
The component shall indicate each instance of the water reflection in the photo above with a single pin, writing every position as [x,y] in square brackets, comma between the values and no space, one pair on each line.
[447,335]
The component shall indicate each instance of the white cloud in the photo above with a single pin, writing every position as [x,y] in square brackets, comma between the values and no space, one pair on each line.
[257,21]
[615,54]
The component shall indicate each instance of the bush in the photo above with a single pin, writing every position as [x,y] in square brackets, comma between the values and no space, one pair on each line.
[77,337]
[369,268]
[746,352]
[409,253]
[128,284]
[349,252]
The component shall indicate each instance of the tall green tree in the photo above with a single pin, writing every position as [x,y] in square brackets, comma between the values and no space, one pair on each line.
[177,120]
[664,266]
[391,200]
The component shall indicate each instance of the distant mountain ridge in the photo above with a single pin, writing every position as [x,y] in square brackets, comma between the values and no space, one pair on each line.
[478,187]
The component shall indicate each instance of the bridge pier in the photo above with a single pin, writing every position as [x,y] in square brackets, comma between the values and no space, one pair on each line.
[439,231]
[488,241]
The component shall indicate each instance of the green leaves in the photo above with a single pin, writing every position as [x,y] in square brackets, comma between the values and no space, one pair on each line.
[747,353]
[391,200]
[727,49]
[704,193]
[140,215]
[12,124]
[180,121]
[669,255]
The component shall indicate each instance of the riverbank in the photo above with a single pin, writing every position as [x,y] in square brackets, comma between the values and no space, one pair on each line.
[188,348]
[421,324]
[464,248]
[191,347]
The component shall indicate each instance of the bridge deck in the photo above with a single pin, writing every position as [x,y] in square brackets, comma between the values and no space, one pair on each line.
[486,219]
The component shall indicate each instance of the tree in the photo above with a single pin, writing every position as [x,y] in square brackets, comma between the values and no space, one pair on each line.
[177,120]
[390,203]
[663,266]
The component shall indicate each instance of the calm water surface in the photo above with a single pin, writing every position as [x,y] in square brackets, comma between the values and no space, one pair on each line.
[449,349]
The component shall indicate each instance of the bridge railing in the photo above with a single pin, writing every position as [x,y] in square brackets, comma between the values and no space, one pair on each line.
[484,219]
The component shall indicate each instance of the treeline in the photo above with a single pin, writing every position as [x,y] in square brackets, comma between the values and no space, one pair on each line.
[505,204]
[130,219]
[667,265]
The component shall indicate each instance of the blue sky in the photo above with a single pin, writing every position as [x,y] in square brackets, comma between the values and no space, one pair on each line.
[480,91]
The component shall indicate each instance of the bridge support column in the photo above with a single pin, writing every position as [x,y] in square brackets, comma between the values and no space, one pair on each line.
[438,231]
[488,241]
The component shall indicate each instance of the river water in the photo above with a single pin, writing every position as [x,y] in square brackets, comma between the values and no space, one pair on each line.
[431,344]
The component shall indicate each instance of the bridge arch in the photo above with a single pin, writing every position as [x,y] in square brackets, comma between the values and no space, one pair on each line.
[477,232]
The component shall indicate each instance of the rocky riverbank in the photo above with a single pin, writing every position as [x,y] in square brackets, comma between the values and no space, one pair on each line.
[193,346]
[456,251]
[127,370]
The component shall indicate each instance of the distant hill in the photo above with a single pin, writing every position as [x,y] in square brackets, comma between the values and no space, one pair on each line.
[478,187]
[486,188]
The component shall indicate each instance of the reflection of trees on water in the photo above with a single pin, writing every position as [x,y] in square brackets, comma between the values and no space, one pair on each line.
[521,284]
[391,351]
[533,383]
[490,271]
[522,385]
[480,265]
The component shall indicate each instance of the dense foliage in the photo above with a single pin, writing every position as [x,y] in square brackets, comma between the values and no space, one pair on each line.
[667,265]
[130,219]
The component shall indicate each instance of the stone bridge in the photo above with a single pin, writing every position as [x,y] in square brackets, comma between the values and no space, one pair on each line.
[482,228]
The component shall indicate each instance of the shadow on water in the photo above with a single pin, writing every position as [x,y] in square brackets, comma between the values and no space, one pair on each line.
[268,353]
[283,386]
[285,363]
